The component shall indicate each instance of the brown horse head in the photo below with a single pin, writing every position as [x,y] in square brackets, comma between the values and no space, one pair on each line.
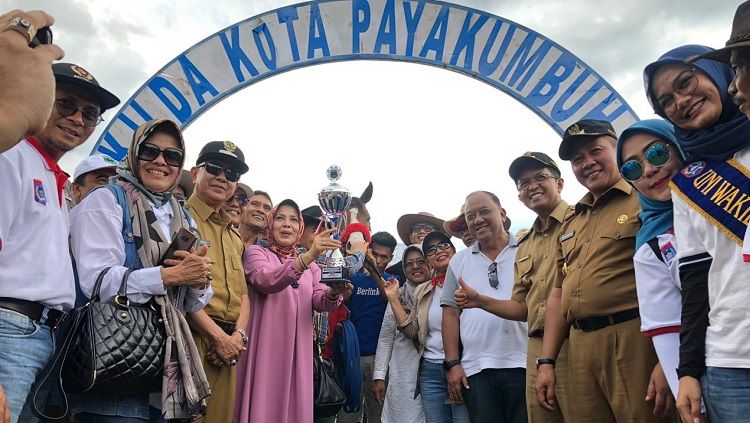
[357,211]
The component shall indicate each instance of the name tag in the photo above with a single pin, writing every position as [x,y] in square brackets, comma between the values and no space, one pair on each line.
[567,236]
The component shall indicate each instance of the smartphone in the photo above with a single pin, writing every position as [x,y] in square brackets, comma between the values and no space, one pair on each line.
[183,241]
[43,36]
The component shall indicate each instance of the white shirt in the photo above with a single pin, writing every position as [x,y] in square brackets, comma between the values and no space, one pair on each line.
[34,257]
[658,285]
[433,348]
[96,240]
[728,334]
[490,342]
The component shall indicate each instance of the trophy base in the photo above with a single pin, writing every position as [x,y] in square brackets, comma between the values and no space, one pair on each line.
[332,275]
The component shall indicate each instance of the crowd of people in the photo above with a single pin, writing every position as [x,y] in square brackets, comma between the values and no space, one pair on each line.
[626,306]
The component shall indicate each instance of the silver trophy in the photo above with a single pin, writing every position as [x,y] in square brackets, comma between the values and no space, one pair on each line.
[334,201]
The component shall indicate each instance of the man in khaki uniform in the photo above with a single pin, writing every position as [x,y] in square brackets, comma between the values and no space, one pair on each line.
[219,329]
[610,362]
[539,185]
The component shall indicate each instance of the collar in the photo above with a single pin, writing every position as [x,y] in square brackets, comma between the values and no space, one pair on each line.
[558,214]
[60,176]
[204,212]
[620,186]
[512,242]
[438,280]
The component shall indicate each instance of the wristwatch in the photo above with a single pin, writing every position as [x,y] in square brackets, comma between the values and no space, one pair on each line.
[447,365]
[540,361]
[243,334]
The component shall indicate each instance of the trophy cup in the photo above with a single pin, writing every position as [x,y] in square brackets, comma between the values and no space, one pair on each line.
[334,201]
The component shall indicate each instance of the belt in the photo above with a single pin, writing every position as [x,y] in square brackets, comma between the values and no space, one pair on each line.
[599,322]
[33,311]
[539,333]
[227,327]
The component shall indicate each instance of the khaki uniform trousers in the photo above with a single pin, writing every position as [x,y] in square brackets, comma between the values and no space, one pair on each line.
[610,369]
[222,380]
[538,414]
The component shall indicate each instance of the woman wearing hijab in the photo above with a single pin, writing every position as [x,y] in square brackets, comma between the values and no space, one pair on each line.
[145,184]
[714,135]
[396,356]
[648,157]
[423,326]
[275,377]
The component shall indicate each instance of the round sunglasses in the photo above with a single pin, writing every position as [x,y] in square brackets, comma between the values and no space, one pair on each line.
[149,152]
[657,155]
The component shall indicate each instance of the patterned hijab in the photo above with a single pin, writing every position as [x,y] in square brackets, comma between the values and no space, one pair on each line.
[284,251]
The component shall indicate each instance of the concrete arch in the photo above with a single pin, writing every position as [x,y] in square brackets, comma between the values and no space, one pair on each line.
[536,71]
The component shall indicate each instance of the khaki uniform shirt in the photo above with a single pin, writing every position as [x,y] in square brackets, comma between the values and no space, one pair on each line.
[225,250]
[595,254]
[535,266]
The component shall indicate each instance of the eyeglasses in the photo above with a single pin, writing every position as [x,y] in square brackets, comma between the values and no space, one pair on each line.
[492,275]
[524,184]
[423,227]
[68,107]
[684,84]
[216,170]
[433,249]
[657,155]
[415,263]
[149,152]
[241,199]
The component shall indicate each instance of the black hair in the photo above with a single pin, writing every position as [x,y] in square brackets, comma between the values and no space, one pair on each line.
[384,239]
[79,179]
[263,193]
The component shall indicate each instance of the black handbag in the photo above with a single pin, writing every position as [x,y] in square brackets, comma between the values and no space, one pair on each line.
[117,347]
[328,395]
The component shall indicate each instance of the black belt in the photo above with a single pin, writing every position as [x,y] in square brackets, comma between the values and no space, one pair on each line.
[599,322]
[539,333]
[33,311]
[227,327]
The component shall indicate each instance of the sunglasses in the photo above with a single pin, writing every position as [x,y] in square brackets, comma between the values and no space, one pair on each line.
[68,107]
[423,227]
[241,199]
[415,263]
[684,84]
[216,170]
[492,275]
[657,155]
[433,249]
[149,152]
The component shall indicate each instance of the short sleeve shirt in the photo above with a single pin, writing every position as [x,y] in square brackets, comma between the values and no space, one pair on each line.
[595,254]
[225,250]
[535,266]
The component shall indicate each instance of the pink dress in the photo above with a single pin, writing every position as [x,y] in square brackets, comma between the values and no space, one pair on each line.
[275,377]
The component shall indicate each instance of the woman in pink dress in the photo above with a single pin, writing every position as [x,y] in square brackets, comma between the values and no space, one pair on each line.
[275,377]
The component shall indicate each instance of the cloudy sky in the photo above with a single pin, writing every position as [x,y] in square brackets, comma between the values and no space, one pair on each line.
[424,136]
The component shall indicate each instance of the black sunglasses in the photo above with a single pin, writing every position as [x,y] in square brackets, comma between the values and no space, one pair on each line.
[241,199]
[149,152]
[216,170]
[433,249]
[492,275]
[68,107]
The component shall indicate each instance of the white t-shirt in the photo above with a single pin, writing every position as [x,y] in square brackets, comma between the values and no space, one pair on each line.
[728,334]
[490,342]
[433,346]
[658,285]
[34,256]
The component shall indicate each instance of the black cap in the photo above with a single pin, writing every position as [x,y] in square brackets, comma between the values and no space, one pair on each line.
[224,151]
[439,235]
[532,160]
[312,215]
[584,130]
[80,77]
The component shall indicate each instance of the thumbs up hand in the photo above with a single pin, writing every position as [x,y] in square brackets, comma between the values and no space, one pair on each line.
[466,296]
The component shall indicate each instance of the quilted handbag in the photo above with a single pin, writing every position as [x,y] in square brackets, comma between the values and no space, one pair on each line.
[328,396]
[115,346]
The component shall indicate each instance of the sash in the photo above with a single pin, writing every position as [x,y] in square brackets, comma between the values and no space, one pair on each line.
[720,192]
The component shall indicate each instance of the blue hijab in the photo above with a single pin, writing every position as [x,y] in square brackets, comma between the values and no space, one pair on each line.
[731,132]
[657,217]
